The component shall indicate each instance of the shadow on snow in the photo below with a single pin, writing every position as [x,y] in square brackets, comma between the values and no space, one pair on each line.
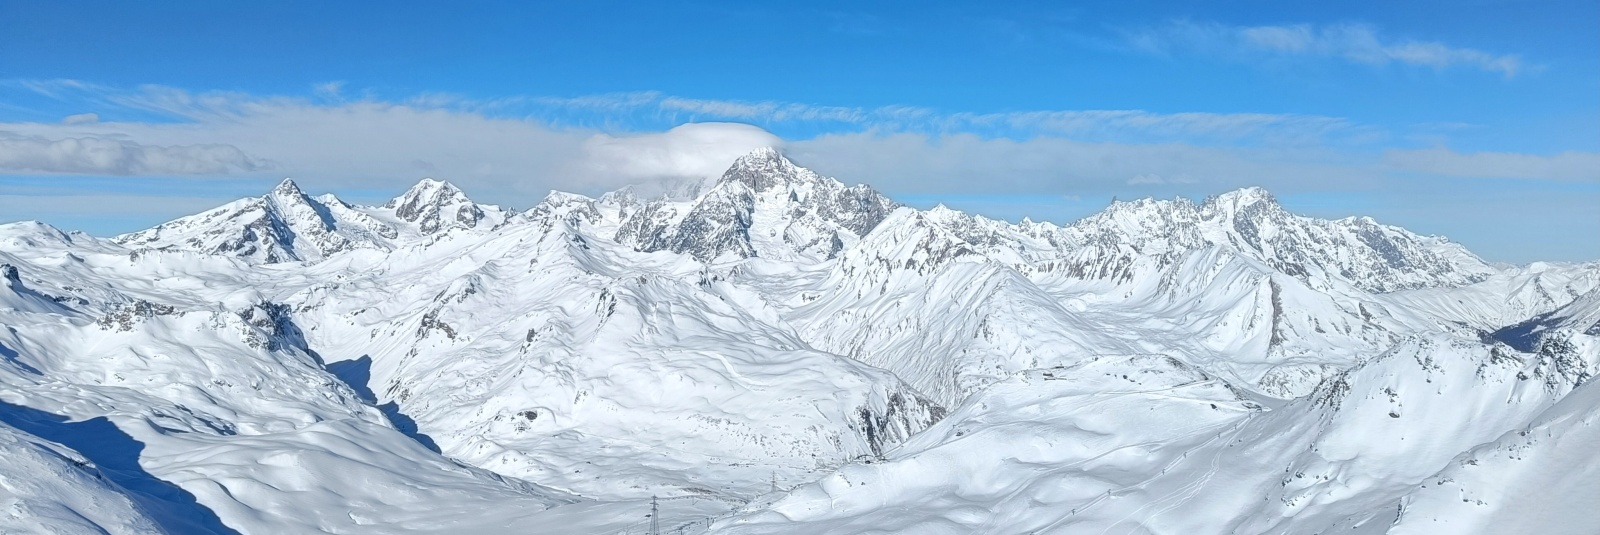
[357,373]
[117,456]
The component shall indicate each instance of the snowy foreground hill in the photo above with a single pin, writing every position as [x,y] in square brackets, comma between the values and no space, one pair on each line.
[771,351]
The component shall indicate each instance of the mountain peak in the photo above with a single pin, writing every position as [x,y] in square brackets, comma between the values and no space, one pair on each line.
[429,189]
[434,184]
[435,204]
[763,169]
[556,197]
[1243,197]
[943,213]
[763,153]
[426,192]
[287,188]
[805,215]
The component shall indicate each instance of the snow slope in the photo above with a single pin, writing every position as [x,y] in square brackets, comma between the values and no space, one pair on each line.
[211,396]
[537,354]
[1538,479]
[1506,298]
[297,364]
[1148,445]
[47,487]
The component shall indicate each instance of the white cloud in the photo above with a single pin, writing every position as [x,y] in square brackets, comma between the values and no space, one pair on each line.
[771,111]
[1088,125]
[100,155]
[1083,124]
[368,144]
[1193,126]
[1284,38]
[1357,43]
[362,142]
[379,145]
[81,118]
[1038,160]
[55,88]
[686,151]
[328,90]
[1580,166]
[615,102]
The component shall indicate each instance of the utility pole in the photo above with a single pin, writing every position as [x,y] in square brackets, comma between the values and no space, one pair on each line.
[655,517]
[774,481]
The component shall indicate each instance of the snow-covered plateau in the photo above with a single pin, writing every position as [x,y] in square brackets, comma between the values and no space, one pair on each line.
[771,351]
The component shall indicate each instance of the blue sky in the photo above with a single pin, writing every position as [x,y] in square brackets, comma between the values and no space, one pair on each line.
[1475,120]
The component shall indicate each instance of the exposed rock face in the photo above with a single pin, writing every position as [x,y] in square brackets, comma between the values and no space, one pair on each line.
[282,226]
[1249,222]
[286,225]
[764,205]
[434,205]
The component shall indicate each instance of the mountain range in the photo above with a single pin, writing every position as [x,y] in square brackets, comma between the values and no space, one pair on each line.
[773,351]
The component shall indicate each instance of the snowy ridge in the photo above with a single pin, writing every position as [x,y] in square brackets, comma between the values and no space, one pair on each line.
[434,206]
[1162,366]
[1249,222]
[548,348]
[282,226]
[287,225]
[1508,297]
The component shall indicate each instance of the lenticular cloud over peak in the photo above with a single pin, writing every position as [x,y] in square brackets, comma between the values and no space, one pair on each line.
[692,150]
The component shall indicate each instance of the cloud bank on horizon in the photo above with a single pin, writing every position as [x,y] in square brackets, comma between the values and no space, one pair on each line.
[500,153]
[113,157]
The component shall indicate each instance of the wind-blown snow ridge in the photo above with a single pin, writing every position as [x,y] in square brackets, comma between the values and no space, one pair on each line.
[787,354]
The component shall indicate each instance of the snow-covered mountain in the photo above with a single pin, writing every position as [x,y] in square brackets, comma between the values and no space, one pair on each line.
[765,206]
[433,206]
[287,225]
[1249,222]
[951,302]
[1149,445]
[583,364]
[778,352]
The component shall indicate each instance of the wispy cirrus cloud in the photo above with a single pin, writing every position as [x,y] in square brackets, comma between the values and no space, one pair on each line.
[653,109]
[1356,43]
[1194,126]
[1089,125]
[616,102]
[766,110]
